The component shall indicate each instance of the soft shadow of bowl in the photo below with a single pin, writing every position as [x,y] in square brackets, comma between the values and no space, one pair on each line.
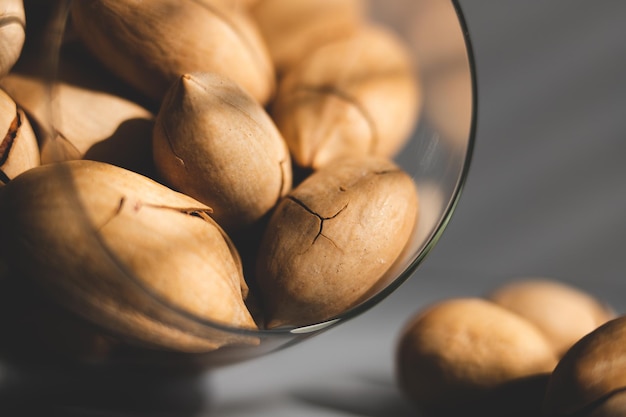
[359,396]
[74,393]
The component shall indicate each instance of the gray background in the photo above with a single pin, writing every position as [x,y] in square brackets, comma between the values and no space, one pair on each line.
[546,196]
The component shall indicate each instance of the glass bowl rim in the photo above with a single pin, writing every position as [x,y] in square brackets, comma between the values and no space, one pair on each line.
[398,280]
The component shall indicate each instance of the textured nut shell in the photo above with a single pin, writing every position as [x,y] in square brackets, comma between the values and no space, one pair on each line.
[293,29]
[19,150]
[12,33]
[454,352]
[332,238]
[563,313]
[242,5]
[592,369]
[355,96]
[86,229]
[82,116]
[214,142]
[151,43]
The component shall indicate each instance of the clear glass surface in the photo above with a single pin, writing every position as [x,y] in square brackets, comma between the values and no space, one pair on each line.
[437,157]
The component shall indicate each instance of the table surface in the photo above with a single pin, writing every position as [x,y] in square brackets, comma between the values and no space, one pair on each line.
[546,196]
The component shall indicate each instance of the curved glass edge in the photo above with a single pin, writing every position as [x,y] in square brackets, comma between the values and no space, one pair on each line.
[387,290]
[441,227]
[304,331]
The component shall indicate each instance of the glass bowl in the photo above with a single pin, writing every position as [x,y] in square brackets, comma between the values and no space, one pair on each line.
[46,324]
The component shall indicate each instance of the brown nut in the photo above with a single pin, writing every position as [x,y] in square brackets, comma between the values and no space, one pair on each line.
[215,143]
[590,379]
[293,29]
[19,150]
[562,312]
[108,244]
[355,96]
[418,20]
[151,43]
[242,5]
[468,356]
[12,33]
[332,239]
[82,114]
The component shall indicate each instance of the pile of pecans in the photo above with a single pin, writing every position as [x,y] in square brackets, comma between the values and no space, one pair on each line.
[532,347]
[232,159]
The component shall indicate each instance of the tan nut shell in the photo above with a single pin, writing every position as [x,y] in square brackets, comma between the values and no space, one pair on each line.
[19,150]
[454,353]
[104,240]
[562,312]
[355,96]
[242,5]
[332,238]
[12,33]
[151,43]
[215,143]
[591,372]
[82,115]
[293,29]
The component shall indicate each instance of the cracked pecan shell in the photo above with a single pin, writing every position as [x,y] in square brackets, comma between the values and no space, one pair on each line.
[126,253]
[332,238]
[215,143]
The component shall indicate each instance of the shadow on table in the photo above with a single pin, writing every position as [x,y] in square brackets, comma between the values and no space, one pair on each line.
[376,396]
[123,394]
[366,395]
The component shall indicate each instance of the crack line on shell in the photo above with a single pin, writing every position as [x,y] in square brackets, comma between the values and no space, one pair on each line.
[321,218]
[115,213]
[201,213]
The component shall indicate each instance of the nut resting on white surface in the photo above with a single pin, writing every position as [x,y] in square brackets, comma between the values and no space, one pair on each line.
[469,356]
[562,312]
[151,43]
[215,143]
[590,379]
[107,243]
[332,238]
[19,150]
